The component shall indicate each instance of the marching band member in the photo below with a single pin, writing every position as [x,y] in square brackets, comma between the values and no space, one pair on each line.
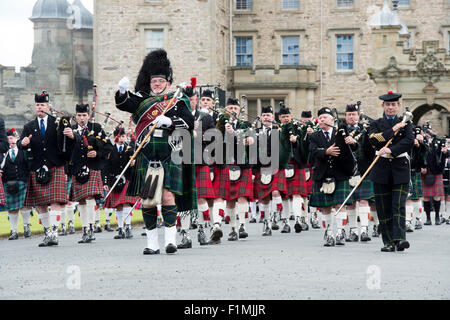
[270,186]
[116,161]
[331,185]
[47,183]
[14,171]
[392,173]
[176,188]
[90,147]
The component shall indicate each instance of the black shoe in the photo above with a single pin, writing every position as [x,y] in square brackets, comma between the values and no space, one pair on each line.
[171,248]
[186,243]
[376,231]
[53,240]
[292,217]
[128,233]
[71,228]
[144,234]
[340,238]
[261,220]
[45,242]
[448,221]
[63,230]
[329,241]
[27,231]
[202,236]
[108,227]
[13,236]
[267,231]
[91,233]
[352,237]
[120,235]
[150,251]
[297,227]
[409,227]
[305,226]
[365,236]
[242,233]
[233,236]
[418,225]
[252,220]
[286,227]
[402,245]
[388,248]
[438,221]
[216,234]
[428,222]
[98,228]
[275,226]
[85,237]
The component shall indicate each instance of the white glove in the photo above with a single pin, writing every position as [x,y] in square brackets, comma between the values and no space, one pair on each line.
[162,121]
[124,84]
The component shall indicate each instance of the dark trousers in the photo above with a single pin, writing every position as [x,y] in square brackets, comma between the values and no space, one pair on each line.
[390,201]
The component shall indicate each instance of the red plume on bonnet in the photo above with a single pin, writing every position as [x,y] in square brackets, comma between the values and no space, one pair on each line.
[390,92]
[193,82]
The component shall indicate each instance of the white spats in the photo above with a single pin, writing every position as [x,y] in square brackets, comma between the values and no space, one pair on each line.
[327,218]
[152,238]
[409,213]
[170,236]
[55,216]
[119,217]
[44,218]
[83,215]
[26,216]
[285,210]
[374,215]
[364,216]
[232,214]
[13,221]
[201,209]
[219,206]
[242,208]
[127,215]
[70,212]
[90,204]
[297,206]
[185,222]
[352,218]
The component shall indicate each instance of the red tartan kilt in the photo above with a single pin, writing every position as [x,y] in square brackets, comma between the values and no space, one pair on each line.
[205,188]
[44,195]
[307,185]
[297,184]
[2,194]
[278,183]
[436,190]
[228,190]
[92,188]
[116,198]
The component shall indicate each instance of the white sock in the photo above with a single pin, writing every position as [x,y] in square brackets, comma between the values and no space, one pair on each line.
[409,212]
[55,217]
[45,219]
[83,215]
[216,210]
[232,214]
[185,222]
[127,214]
[97,215]
[63,213]
[202,208]
[364,216]
[108,213]
[374,215]
[70,212]
[242,208]
[253,209]
[340,217]
[285,210]
[90,204]
[264,208]
[276,201]
[14,221]
[328,219]
[170,235]
[352,218]
[119,216]
[297,206]
[416,209]
[26,216]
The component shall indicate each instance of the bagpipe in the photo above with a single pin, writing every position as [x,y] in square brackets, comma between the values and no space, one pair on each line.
[346,160]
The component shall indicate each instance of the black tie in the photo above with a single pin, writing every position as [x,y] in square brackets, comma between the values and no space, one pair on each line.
[327,135]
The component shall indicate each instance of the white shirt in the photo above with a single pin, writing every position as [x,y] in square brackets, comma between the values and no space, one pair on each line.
[120,145]
[45,122]
[16,151]
[330,132]
[267,129]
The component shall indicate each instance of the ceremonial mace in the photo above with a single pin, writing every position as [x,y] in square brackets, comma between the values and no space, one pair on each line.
[408,117]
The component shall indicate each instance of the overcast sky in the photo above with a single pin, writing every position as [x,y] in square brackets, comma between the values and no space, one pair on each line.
[16,31]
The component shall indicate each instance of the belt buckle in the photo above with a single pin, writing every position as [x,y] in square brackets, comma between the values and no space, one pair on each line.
[155,164]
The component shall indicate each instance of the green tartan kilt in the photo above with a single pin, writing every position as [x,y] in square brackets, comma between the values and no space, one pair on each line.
[364,191]
[415,191]
[157,149]
[16,201]
[319,199]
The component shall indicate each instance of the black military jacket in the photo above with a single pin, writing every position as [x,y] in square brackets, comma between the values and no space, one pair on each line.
[116,162]
[391,171]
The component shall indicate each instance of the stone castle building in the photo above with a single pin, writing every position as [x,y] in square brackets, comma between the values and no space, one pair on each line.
[307,53]
[62,62]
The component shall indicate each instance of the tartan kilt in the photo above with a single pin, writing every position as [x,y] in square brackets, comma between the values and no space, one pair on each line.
[92,188]
[228,190]
[278,183]
[319,199]
[116,198]
[205,187]
[297,184]
[307,185]
[44,195]
[2,194]
[415,191]
[436,190]
[364,191]
[16,201]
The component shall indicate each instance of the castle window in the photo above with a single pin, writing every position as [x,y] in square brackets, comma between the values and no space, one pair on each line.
[243,4]
[290,50]
[345,3]
[291,4]
[244,51]
[344,52]
[154,39]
